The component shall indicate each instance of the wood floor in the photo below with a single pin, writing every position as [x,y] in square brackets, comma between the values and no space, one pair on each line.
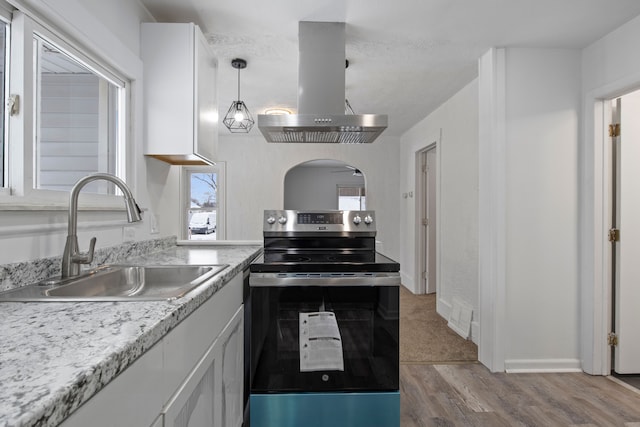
[470,395]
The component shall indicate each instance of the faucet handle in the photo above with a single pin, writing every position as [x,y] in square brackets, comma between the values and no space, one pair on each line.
[86,258]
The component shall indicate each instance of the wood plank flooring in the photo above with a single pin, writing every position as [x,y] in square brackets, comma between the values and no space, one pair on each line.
[470,395]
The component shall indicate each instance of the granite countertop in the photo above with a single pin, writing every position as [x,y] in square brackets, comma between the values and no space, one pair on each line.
[55,356]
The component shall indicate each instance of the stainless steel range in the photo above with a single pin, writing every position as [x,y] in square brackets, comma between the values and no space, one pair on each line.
[324,331]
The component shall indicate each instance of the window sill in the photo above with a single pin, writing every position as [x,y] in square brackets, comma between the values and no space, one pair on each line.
[56,208]
[86,202]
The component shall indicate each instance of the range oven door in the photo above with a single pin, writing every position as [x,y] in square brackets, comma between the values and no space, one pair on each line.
[367,320]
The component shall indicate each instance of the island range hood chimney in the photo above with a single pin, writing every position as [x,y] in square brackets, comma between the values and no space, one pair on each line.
[321,94]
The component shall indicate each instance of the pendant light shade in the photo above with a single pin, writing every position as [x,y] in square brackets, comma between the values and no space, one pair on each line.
[238,119]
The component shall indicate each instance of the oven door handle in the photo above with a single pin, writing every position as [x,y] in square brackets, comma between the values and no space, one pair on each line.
[323,279]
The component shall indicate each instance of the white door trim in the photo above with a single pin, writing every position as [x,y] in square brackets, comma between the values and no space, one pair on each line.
[420,255]
[595,255]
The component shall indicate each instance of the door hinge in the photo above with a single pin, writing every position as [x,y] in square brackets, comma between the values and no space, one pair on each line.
[612,339]
[614,130]
[425,221]
[614,235]
[424,275]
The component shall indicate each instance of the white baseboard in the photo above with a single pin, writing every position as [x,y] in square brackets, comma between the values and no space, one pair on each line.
[542,365]
[443,308]
[475,331]
[407,281]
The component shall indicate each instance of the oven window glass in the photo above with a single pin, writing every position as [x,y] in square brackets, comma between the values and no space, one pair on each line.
[367,320]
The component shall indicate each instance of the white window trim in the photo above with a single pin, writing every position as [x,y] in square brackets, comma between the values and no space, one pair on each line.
[185,198]
[128,68]
[5,16]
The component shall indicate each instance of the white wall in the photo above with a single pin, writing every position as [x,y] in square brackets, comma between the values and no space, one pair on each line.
[610,68]
[256,171]
[542,113]
[540,124]
[456,122]
[313,187]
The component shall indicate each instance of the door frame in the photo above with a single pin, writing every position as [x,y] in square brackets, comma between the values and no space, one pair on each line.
[595,202]
[420,255]
[624,205]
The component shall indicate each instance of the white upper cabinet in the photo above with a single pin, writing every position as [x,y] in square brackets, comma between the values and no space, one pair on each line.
[181,113]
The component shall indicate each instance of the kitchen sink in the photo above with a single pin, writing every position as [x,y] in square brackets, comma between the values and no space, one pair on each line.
[119,283]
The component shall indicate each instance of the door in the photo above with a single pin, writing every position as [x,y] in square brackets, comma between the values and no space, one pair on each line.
[626,316]
[428,220]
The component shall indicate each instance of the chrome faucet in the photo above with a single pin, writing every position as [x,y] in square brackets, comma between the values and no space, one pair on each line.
[72,257]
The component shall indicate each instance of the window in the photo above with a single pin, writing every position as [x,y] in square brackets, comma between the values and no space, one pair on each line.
[351,198]
[203,202]
[77,120]
[72,115]
[4,42]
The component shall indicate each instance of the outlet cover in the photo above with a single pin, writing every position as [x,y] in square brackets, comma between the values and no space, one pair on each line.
[153,224]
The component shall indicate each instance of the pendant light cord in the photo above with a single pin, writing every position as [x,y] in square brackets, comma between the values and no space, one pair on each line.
[238,84]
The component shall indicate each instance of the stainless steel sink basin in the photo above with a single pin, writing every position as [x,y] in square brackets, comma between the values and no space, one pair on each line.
[119,283]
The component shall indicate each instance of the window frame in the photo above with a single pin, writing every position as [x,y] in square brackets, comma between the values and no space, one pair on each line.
[21,160]
[5,17]
[185,198]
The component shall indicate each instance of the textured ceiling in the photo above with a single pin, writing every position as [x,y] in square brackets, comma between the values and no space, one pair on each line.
[406,56]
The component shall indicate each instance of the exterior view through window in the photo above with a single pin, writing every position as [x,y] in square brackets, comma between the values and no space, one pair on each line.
[351,199]
[203,207]
[77,121]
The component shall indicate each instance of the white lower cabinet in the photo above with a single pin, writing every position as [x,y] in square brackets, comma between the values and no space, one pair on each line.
[193,377]
[232,370]
[212,394]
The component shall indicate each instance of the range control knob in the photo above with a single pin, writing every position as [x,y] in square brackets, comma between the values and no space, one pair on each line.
[368,219]
[271,220]
[357,220]
[282,220]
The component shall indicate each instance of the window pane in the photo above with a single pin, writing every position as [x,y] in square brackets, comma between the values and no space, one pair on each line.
[77,122]
[351,198]
[203,209]
[3,67]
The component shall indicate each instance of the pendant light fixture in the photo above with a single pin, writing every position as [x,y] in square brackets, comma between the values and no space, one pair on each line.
[238,119]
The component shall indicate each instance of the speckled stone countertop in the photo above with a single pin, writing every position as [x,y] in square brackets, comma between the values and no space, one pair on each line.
[55,356]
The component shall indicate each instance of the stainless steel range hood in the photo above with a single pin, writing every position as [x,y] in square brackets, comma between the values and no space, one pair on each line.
[321,94]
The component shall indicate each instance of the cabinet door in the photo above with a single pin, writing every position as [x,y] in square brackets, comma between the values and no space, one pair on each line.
[232,369]
[180,105]
[212,393]
[206,106]
[193,405]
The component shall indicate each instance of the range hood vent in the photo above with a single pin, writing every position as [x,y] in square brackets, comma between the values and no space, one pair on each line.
[321,94]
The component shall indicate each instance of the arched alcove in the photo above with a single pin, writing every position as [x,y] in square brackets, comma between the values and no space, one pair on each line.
[324,184]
